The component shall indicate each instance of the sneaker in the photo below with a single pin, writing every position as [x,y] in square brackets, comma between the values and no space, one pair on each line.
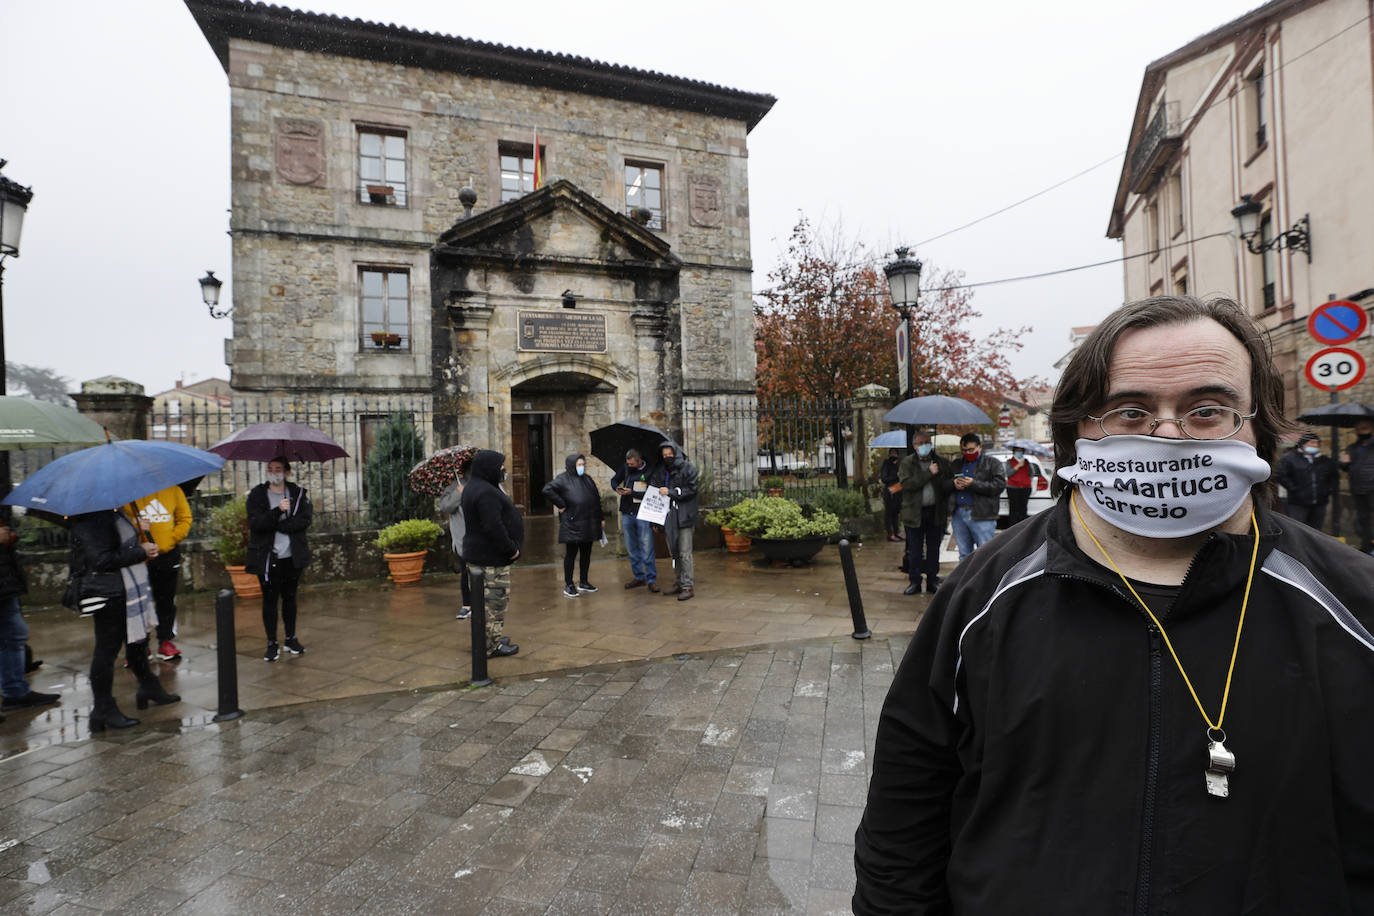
[167,650]
[465,613]
[570,591]
[271,654]
[28,700]
[503,649]
[293,645]
[585,587]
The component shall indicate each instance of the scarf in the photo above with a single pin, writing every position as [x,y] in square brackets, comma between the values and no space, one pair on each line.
[140,615]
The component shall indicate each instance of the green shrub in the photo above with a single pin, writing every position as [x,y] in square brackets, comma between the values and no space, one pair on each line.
[772,483]
[409,536]
[229,524]
[843,503]
[397,449]
[776,517]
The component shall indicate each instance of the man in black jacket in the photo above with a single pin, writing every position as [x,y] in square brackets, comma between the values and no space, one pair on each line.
[1310,478]
[1087,720]
[630,482]
[493,539]
[892,501]
[978,484]
[14,632]
[676,478]
[1358,462]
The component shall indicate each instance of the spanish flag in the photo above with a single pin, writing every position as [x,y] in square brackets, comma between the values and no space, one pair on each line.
[538,163]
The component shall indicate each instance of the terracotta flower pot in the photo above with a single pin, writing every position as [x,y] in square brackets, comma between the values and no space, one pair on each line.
[406,567]
[246,585]
[774,491]
[734,541]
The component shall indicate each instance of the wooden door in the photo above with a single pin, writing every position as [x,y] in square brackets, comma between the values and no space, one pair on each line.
[520,462]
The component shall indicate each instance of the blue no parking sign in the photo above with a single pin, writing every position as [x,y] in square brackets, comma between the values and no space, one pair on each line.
[1337,322]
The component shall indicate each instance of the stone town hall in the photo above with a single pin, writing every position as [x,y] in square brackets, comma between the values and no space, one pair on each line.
[388,237]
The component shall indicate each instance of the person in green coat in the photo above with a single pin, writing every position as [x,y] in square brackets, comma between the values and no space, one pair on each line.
[927,482]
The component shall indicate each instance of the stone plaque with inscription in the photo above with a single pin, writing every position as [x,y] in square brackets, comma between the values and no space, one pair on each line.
[300,151]
[565,331]
[705,207]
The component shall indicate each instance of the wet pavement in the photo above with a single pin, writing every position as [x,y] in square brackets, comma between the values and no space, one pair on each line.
[640,754]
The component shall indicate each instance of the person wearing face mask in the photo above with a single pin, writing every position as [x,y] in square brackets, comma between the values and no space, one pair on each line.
[978,484]
[1358,463]
[1309,477]
[279,514]
[1154,696]
[580,521]
[888,476]
[492,541]
[631,482]
[927,483]
[1018,486]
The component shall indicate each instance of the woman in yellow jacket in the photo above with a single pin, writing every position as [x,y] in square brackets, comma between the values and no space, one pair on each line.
[166,516]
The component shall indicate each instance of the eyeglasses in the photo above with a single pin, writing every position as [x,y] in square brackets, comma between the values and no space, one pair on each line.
[1210,422]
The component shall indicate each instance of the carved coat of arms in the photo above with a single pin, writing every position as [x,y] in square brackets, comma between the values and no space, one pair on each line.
[300,151]
[705,206]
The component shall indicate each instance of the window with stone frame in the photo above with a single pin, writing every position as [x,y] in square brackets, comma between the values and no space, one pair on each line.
[1268,269]
[1174,193]
[382,166]
[517,169]
[644,188]
[384,308]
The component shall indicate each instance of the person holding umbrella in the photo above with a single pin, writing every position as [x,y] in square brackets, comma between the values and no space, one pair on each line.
[631,481]
[279,513]
[109,561]
[580,521]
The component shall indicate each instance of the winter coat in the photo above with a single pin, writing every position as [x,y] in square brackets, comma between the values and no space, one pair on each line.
[627,477]
[889,472]
[97,547]
[1039,752]
[578,497]
[914,474]
[451,504]
[989,480]
[1309,483]
[680,477]
[1358,462]
[265,519]
[495,531]
[12,579]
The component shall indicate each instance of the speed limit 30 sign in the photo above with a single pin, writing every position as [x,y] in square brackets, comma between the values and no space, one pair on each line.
[1335,369]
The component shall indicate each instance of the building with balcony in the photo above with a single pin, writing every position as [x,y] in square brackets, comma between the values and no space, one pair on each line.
[1274,109]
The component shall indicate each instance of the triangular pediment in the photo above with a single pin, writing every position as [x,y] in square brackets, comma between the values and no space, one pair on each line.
[557,222]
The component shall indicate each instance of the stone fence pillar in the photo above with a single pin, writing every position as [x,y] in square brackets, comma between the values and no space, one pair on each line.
[117,404]
[869,404]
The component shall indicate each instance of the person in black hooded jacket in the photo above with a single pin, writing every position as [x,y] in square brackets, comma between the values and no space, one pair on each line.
[493,539]
[580,520]
[676,478]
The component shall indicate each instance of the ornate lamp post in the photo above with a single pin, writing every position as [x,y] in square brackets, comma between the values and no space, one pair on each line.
[904,282]
[209,294]
[1297,238]
[14,203]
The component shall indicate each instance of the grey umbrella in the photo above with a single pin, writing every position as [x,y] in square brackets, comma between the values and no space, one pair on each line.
[937,410]
[1030,446]
[1341,414]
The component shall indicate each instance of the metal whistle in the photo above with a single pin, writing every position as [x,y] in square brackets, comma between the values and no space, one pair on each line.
[1221,763]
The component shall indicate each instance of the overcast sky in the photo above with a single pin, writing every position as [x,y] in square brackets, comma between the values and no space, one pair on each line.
[899,119]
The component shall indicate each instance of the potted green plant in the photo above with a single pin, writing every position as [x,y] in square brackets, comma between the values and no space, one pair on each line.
[773,485]
[229,524]
[404,545]
[386,340]
[735,542]
[783,530]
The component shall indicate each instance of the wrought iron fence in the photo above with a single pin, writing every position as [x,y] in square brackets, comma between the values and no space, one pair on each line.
[745,447]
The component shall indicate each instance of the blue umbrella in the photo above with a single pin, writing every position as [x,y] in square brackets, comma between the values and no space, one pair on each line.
[937,410]
[893,438]
[110,475]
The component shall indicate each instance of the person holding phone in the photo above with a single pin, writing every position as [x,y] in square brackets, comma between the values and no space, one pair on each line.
[630,482]
[279,513]
[978,485]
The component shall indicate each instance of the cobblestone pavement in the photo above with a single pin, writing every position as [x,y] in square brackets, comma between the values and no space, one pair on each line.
[725,782]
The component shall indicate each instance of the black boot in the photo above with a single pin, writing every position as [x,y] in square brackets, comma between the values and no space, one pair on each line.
[106,714]
[151,691]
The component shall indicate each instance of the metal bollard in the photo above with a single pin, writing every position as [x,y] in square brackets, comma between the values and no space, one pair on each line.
[479,628]
[227,660]
[851,585]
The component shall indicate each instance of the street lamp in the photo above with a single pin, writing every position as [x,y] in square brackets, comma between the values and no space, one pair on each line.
[209,293]
[1296,238]
[904,282]
[14,202]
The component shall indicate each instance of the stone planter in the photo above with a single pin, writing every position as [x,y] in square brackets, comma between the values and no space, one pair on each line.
[246,585]
[734,541]
[406,567]
[796,551]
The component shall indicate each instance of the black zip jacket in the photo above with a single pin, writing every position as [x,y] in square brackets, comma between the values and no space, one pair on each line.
[626,477]
[96,546]
[681,478]
[265,519]
[1038,752]
[580,501]
[1309,483]
[495,531]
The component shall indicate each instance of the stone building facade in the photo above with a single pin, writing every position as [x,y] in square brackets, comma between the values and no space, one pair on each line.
[525,319]
[1276,106]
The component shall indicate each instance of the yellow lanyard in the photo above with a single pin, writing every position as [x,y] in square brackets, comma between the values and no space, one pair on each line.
[1226,694]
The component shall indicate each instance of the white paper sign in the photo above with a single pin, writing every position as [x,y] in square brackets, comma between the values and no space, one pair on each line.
[654,508]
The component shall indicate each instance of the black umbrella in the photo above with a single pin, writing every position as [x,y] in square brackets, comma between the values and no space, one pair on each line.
[937,410]
[1341,414]
[610,443]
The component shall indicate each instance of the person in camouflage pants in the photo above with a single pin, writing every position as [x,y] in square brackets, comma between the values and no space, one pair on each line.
[492,540]
[496,597]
